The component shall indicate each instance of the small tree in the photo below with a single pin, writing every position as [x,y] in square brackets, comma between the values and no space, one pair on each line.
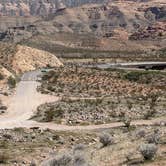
[148,151]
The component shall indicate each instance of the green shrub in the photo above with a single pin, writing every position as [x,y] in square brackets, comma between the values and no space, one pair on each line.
[11,82]
[51,114]
[133,76]
[142,76]
[4,157]
[1,77]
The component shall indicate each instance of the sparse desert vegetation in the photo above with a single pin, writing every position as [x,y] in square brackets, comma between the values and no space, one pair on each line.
[19,146]
[59,103]
[131,144]
[93,96]
[99,110]
[78,81]
[11,82]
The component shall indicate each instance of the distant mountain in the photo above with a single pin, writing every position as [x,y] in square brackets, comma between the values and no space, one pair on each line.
[110,19]
[74,3]
[29,7]
[38,7]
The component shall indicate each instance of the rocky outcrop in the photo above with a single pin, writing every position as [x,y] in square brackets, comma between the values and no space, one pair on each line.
[18,59]
[100,19]
[27,58]
[18,33]
[150,32]
[38,7]
[156,13]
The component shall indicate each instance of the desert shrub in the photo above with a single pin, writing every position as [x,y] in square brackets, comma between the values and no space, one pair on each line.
[1,77]
[136,76]
[79,147]
[50,114]
[2,107]
[141,133]
[149,113]
[149,15]
[4,144]
[129,104]
[63,160]
[132,76]
[51,75]
[33,163]
[12,82]
[50,88]
[148,151]
[18,129]
[154,138]
[4,157]
[79,160]
[106,139]
[126,121]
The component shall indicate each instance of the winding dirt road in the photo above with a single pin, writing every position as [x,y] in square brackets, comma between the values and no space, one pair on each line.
[25,101]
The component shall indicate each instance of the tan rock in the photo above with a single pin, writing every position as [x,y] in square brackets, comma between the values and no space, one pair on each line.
[27,58]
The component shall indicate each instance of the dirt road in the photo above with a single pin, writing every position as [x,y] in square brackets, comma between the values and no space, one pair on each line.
[25,101]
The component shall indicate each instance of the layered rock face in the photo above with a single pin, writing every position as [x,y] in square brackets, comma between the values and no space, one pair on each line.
[38,7]
[127,18]
[74,3]
[29,7]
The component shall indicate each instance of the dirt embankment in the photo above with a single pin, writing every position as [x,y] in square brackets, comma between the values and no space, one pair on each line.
[23,59]
[16,60]
[28,58]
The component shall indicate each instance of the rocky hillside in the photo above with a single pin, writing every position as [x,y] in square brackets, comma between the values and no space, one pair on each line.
[45,7]
[27,58]
[19,59]
[28,7]
[111,25]
[38,7]
[100,19]
[16,59]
